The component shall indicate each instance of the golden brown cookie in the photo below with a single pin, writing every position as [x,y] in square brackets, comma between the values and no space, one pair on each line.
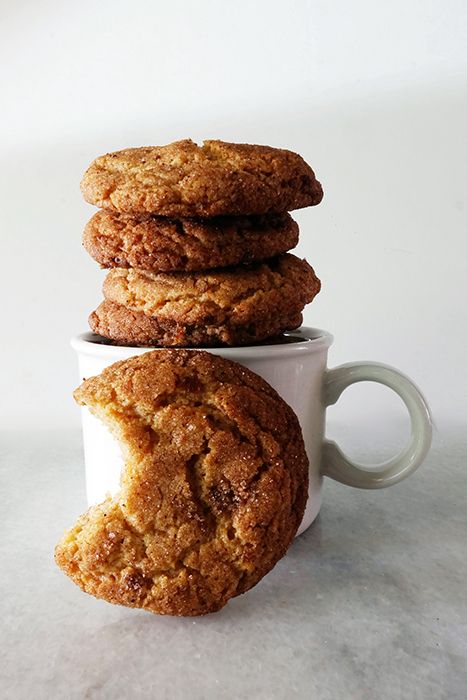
[127,327]
[212,492]
[234,306]
[167,245]
[183,179]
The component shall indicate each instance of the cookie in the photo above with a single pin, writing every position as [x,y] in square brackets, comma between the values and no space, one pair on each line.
[167,245]
[213,488]
[239,305]
[127,327]
[183,179]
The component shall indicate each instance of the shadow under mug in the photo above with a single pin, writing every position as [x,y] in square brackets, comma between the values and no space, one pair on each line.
[296,366]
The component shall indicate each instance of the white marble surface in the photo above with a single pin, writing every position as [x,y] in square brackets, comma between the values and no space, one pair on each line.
[370,603]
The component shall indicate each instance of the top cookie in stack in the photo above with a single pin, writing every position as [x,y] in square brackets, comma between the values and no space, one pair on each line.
[199,236]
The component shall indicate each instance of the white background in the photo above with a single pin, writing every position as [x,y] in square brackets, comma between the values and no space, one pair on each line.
[372,94]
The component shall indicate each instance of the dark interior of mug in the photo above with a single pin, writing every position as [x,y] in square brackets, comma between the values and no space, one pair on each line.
[300,335]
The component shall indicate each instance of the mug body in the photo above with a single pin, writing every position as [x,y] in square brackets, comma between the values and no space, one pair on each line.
[294,365]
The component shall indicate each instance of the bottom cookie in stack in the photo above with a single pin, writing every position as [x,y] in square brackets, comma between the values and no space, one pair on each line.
[234,306]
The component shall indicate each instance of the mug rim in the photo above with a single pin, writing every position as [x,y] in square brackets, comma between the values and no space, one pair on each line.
[316,339]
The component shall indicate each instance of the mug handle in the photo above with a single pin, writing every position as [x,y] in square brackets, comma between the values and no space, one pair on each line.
[339,467]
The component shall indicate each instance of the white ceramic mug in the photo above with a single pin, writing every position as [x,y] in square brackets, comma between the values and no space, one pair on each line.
[297,368]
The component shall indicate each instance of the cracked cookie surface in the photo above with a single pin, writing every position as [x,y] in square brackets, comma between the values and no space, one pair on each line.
[167,245]
[213,488]
[242,304]
[183,179]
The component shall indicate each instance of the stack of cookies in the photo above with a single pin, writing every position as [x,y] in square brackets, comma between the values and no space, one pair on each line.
[197,238]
